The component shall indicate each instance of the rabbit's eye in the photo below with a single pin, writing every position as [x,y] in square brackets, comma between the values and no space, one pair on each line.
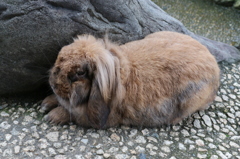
[80,73]
[75,77]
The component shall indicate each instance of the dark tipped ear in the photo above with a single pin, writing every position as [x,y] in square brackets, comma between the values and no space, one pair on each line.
[97,109]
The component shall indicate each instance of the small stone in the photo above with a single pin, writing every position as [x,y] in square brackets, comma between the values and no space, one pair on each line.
[8,137]
[79,157]
[44,126]
[165,149]
[191,147]
[60,157]
[221,155]
[115,137]
[197,123]
[188,141]
[4,114]
[145,132]
[232,96]
[185,133]
[113,149]
[216,127]
[29,149]
[202,150]
[167,142]
[222,148]
[100,152]
[140,149]
[225,98]
[121,156]
[220,114]
[98,157]
[85,141]
[16,149]
[35,135]
[201,155]
[133,133]
[218,99]
[52,136]
[207,120]
[200,142]
[7,152]
[95,135]
[152,139]
[130,143]
[57,145]
[5,125]
[214,157]
[140,140]
[106,155]
[233,144]
[51,151]
[124,149]
[222,136]
[43,144]
[28,118]
[181,147]
[212,146]
[238,114]
[142,156]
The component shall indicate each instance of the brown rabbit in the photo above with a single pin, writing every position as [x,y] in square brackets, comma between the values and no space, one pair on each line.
[159,80]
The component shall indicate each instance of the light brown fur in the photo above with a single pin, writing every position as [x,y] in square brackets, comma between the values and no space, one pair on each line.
[158,80]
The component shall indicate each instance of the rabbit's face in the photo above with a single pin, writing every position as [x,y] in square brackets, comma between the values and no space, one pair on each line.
[71,75]
[84,74]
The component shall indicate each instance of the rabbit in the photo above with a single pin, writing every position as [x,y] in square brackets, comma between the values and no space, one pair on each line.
[155,81]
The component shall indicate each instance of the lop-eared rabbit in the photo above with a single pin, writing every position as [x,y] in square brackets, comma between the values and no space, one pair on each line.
[158,80]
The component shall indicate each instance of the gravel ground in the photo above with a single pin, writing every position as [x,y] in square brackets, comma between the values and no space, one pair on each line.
[213,133]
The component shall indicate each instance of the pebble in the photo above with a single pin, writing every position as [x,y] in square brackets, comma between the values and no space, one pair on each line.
[182,147]
[17,149]
[115,137]
[8,137]
[200,142]
[4,114]
[52,136]
[197,124]
[51,151]
[207,120]
[218,99]
[165,149]
[185,133]
[100,152]
[140,140]
[233,144]
[85,141]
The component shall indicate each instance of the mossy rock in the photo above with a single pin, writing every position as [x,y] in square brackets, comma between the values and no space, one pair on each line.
[229,3]
[237,4]
[225,2]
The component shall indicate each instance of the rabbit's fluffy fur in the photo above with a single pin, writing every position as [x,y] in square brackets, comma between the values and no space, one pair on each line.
[158,80]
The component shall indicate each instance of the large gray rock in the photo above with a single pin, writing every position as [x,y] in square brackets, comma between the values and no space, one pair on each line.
[32,32]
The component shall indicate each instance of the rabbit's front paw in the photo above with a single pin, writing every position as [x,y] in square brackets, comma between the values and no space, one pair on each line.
[49,103]
[58,115]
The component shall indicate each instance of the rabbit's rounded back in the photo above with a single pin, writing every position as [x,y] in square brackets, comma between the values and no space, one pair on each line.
[174,76]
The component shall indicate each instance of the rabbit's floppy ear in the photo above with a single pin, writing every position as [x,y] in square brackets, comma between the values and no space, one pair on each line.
[97,109]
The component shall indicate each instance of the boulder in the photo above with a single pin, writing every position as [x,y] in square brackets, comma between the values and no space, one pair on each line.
[32,33]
